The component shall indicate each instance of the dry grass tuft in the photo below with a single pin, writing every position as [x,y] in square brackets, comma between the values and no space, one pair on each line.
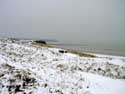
[81,54]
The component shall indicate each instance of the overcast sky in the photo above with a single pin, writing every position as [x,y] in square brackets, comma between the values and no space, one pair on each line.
[66,20]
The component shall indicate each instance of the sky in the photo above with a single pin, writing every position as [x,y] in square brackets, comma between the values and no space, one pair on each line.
[78,21]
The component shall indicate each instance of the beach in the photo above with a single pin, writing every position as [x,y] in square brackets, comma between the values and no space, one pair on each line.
[27,68]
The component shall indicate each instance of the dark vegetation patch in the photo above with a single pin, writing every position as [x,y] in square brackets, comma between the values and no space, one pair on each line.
[108,70]
[45,85]
[63,51]
[41,43]
[17,80]
[1,74]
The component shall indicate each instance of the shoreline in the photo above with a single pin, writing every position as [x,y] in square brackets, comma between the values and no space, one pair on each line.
[94,51]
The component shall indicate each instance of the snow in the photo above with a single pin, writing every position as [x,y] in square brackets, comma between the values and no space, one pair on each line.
[104,85]
[29,69]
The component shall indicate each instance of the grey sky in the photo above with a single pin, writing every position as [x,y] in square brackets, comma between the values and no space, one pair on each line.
[66,20]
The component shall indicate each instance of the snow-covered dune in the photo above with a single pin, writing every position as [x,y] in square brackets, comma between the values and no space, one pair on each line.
[29,69]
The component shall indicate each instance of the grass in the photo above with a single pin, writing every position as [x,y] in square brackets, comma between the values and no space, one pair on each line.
[81,54]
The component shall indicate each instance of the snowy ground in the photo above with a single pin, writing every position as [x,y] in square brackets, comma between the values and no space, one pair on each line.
[28,69]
